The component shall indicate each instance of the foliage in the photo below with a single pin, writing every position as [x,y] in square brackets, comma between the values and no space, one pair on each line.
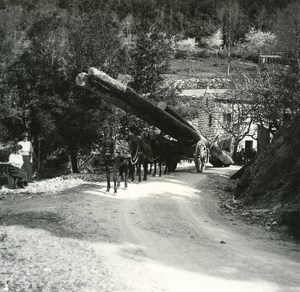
[42,83]
[215,41]
[287,28]
[236,118]
[186,47]
[150,59]
[256,41]
[274,93]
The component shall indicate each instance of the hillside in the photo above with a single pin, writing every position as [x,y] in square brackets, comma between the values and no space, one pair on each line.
[272,180]
[206,67]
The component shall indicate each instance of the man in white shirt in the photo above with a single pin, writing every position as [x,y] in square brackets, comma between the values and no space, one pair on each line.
[27,153]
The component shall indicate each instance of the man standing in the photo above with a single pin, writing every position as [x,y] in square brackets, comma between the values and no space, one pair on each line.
[27,153]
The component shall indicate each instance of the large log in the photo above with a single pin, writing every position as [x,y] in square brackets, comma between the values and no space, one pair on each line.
[124,97]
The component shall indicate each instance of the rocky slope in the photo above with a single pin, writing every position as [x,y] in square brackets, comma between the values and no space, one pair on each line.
[273,179]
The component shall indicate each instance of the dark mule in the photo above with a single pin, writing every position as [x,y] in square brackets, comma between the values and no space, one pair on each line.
[123,158]
[116,158]
[141,152]
[162,149]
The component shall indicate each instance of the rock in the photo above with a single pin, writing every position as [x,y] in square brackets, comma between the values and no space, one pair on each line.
[246,214]
[260,212]
[222,242]
[278,206]
[229,207]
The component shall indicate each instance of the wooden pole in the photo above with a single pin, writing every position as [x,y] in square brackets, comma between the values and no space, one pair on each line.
[124,97]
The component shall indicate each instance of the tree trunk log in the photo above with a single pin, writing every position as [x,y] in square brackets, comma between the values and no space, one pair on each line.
[128,100]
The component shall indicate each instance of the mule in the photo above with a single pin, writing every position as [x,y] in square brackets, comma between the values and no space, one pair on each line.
[162,147]
[141,152]
[116,158]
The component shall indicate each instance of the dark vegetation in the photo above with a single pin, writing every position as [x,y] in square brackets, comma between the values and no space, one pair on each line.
[272,179]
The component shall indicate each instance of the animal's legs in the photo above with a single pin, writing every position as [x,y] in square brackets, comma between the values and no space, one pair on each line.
[159,165]
[145,167]
[125,176]
[107,178]
[154,171]
[139,171]
[115,177]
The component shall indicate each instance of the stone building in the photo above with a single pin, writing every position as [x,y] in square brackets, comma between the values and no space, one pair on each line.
[215,113]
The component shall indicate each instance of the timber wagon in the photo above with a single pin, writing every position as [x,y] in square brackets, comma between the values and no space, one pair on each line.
[190,143]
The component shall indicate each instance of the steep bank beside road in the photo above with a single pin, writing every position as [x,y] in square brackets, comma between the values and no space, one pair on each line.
[273,180]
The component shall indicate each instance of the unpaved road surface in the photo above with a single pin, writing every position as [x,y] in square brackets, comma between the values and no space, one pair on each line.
[165,234]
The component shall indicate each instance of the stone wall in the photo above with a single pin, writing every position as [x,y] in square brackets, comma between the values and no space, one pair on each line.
[196,83]
[209,117]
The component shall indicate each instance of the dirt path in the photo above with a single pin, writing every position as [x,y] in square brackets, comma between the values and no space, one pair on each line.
[162,235]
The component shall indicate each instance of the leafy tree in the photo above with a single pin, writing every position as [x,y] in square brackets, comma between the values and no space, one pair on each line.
[151,58]
[274,93]
[228,13]
[43,79]
[236,118]
[256,41]
[215,41]
[186,46]
[231,17]
[287,28]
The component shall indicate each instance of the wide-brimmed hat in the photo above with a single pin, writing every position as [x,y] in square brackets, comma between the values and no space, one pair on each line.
[17,147]
[25,134]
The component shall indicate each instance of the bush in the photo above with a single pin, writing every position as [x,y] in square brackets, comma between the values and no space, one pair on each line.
[5,151]
[57,160]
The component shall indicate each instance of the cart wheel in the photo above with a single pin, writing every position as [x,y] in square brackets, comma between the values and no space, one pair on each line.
[200,156]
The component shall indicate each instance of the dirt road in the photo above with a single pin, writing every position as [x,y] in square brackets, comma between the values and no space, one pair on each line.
[162,235]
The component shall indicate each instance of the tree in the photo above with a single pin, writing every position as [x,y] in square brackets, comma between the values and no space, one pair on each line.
[274,92]
[42,80]
[241,124]
[288,31]
[186,46]
[229,14]
[256,41]
[150,59]
[233,114]
[215,41]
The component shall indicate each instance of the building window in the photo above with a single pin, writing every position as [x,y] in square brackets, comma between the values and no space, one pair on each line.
[210,120]
[248,146]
